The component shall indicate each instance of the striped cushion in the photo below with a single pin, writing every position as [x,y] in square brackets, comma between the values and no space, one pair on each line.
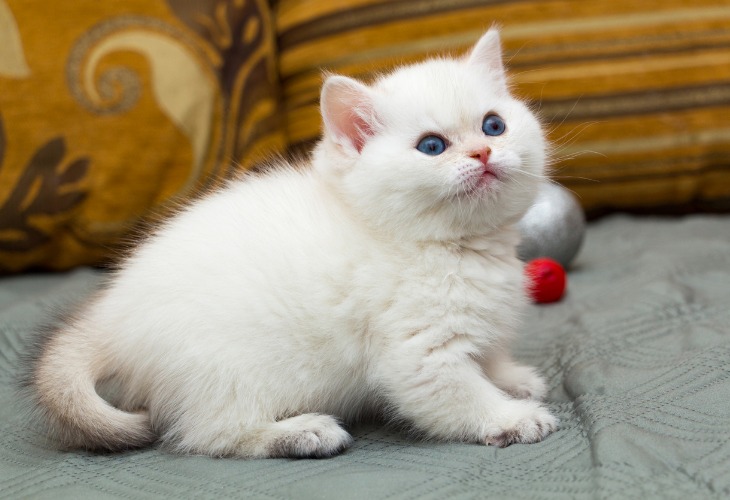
[635,95]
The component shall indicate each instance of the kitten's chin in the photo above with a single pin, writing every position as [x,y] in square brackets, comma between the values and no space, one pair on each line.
[487,205]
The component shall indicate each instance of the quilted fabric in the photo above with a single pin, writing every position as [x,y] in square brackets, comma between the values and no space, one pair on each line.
[637,357]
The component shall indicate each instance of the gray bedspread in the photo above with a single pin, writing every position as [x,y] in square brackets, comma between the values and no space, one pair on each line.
[637,357]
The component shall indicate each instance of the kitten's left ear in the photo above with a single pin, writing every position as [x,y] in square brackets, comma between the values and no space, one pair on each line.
[487,53]
[348,112]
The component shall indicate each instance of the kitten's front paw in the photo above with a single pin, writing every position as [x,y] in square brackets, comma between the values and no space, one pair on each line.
[521,422]
[309,435]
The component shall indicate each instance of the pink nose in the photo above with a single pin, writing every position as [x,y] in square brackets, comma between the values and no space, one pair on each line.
[481,155]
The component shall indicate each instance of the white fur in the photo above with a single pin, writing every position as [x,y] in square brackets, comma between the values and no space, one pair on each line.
[378,279]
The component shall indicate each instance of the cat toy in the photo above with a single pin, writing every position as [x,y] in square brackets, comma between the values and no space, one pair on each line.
[552,232]
[546,280]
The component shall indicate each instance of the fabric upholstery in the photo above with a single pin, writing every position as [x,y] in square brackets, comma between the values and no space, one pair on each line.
[635,95]
[112,112]
[111,109]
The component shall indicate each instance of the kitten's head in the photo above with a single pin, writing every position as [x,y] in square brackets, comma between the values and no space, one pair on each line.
[437,150]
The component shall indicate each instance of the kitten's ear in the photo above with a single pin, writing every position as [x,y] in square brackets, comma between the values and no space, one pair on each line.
[348,112]
[487,54]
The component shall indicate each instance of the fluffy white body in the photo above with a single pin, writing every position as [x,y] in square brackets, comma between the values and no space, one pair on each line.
[378,279]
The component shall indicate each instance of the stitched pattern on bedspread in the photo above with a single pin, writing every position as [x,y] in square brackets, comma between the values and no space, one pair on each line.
[637,357]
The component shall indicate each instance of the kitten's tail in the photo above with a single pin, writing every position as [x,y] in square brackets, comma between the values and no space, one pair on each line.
[62,381]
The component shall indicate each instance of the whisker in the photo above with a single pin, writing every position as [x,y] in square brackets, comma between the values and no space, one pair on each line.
[576,154]
[576,177]
[572,135]
[570,111]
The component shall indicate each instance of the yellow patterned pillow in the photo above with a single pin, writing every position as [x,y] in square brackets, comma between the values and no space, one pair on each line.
[108,109]
[636,95]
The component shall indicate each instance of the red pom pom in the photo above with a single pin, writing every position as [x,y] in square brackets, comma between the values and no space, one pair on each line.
[546,280]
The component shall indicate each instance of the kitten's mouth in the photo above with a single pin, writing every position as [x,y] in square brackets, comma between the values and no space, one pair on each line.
[487,176]
[483,180]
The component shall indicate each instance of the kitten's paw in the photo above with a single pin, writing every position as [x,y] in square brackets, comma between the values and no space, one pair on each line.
[523,422]
[309,435]
[523,382]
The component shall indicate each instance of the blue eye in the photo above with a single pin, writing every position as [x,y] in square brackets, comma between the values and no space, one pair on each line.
[493,125]
[431,145]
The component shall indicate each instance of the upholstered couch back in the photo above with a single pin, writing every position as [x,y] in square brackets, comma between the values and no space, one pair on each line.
[112,111]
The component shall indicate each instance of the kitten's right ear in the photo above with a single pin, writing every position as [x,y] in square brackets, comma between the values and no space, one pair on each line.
[348,112]
[487,54]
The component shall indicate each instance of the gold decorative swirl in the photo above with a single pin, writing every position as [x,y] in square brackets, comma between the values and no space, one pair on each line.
[181,85]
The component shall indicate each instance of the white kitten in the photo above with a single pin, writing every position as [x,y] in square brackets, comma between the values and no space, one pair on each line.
[383,278]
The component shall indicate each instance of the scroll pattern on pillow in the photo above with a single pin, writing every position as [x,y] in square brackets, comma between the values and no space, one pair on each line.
[107,115]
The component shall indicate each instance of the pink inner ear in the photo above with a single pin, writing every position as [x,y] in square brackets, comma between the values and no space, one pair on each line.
[347,110]
[360,130]
[352,125]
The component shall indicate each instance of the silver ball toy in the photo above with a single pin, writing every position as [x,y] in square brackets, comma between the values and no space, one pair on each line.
[554,226]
